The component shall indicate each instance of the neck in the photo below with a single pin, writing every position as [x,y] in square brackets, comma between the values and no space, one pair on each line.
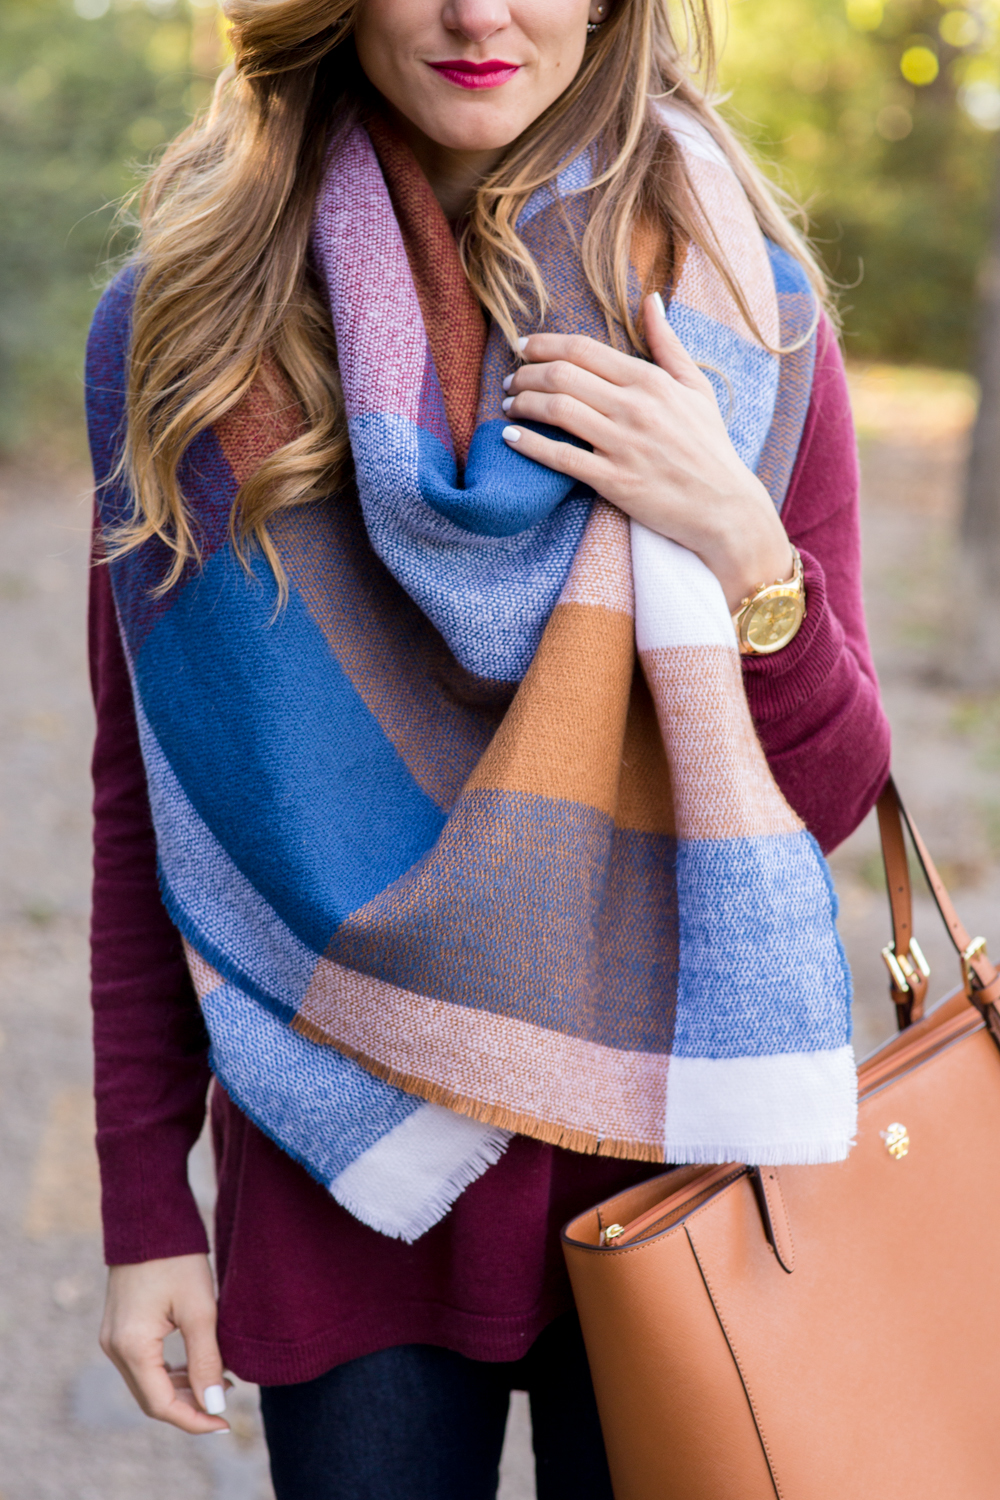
[453,175]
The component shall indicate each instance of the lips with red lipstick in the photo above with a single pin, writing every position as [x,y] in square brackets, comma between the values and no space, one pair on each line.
[476,75]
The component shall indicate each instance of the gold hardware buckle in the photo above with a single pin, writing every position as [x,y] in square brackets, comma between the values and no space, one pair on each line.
[897,1140]
[975,948]
[904,966]
[609,1235]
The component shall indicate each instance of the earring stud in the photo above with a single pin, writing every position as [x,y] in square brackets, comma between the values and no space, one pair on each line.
[593,26]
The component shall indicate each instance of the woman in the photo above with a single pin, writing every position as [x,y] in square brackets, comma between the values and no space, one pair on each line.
[438,852]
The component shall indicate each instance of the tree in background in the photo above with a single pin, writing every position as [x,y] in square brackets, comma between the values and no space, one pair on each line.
[977,660]
[86,92]
[881,115]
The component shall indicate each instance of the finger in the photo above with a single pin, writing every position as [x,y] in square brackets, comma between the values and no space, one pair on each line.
[564,458]
[556,409]
[146,1375]
[560,376]
[204,1362]
[667,349]
[610,364]
[181,1381]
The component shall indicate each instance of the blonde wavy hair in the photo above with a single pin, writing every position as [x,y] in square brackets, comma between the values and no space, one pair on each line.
[227,296]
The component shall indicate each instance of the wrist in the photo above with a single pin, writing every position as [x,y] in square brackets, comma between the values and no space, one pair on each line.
[750,548]
[743,563]
[771,616]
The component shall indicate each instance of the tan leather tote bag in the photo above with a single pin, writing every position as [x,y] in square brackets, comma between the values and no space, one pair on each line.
[826,1332]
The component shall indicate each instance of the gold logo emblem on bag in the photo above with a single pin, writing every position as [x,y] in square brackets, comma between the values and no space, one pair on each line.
[897,1141]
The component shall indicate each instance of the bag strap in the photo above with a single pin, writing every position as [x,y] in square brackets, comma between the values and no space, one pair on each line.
[907,966]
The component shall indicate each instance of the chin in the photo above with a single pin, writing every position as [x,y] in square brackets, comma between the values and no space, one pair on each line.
[464,129]
[457,140]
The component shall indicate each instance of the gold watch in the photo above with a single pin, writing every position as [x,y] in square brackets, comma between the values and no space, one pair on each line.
[770,617]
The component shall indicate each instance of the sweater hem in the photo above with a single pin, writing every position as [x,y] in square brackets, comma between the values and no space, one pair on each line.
[479,1336]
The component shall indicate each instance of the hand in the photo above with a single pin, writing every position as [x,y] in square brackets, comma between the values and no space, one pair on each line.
[144,1303]
[661,452]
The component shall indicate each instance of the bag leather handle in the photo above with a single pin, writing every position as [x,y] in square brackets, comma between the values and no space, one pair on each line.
[979,976]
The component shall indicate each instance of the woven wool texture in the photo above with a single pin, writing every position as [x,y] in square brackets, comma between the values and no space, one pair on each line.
[476,835]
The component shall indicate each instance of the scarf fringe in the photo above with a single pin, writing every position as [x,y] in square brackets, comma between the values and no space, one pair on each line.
[435,1207]
[549,1131]
[794,1154]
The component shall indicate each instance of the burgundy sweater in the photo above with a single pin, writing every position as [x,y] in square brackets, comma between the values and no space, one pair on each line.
[302,1285]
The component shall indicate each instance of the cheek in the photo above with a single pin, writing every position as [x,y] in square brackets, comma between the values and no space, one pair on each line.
[387,33]
[557,31]
[559,26]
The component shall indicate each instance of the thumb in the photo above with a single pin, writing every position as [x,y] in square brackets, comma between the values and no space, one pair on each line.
[667,349]
[204,1361]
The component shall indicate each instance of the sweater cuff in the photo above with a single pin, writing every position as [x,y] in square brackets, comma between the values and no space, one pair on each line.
[780,686]
[148,1208]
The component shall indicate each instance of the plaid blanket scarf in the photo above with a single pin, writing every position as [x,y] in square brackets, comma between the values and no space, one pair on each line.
[475,836]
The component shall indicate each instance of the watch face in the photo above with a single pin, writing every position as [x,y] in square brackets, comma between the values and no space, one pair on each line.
[773,622]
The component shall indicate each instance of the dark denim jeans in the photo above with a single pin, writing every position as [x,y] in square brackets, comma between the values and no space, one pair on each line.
[422,1423]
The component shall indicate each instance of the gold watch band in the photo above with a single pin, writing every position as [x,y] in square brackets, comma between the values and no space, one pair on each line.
[769,618]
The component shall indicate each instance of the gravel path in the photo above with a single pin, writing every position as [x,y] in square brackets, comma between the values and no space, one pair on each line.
[67,1425]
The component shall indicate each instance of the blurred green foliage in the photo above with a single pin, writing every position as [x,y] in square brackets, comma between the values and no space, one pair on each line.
[898,175]
[84,97]
[881,114]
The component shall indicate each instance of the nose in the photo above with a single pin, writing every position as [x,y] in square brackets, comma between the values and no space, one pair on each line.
[476,19]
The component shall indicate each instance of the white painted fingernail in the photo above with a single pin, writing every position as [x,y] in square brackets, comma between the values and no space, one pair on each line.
[214,1400]
[659,305]
[507,403]
[511,434]
[522,344]
[508,381]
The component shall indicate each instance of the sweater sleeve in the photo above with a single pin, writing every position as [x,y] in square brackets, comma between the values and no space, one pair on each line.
[150,1044]
[816,703]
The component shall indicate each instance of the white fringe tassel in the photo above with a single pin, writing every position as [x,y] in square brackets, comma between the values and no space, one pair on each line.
[406,1183]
